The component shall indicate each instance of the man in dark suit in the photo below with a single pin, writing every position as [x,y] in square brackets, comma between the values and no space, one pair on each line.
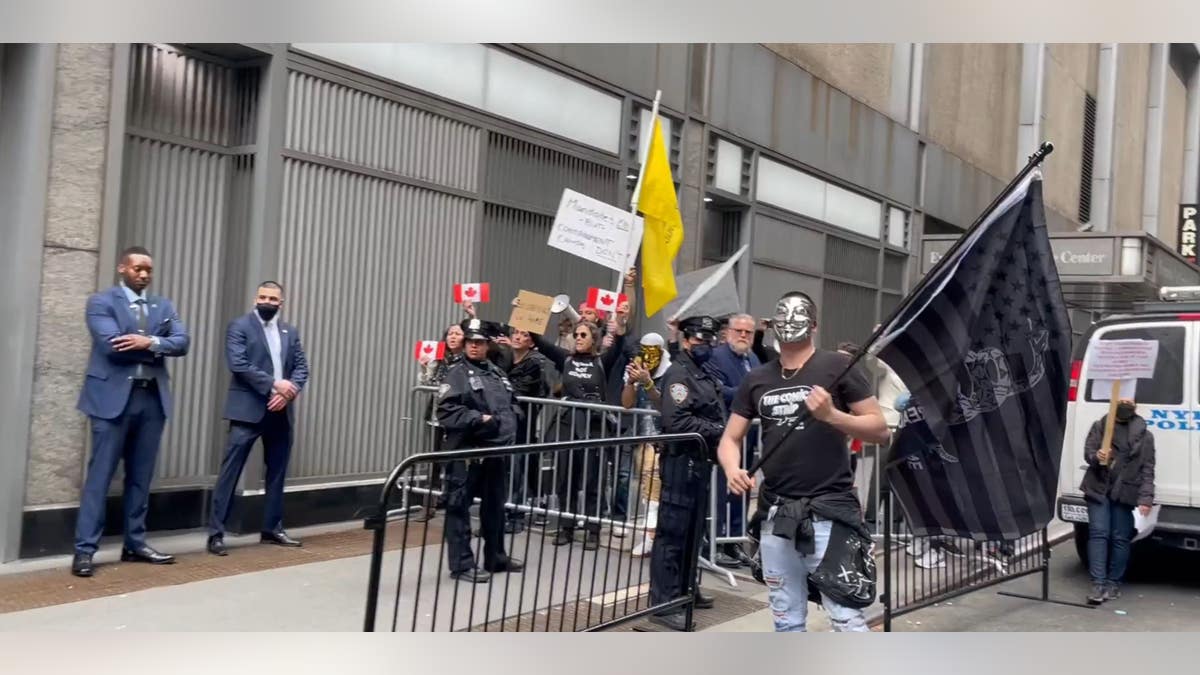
[269,371]
[127,396]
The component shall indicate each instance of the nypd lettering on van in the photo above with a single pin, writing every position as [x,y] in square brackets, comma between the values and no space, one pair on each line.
[1173,420]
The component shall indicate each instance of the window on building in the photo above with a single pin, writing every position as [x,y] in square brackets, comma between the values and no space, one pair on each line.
[1089,151]
[808,195]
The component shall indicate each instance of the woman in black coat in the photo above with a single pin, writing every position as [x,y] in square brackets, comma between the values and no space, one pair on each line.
[1117,481]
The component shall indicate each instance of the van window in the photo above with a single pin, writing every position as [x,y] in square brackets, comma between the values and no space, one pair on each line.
[1166,388]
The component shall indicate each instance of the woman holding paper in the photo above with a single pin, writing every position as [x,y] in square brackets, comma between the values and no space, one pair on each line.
[1119,479]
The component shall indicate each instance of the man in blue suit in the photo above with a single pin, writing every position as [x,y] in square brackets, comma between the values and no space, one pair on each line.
[730,363]
[269,371]
[127,396]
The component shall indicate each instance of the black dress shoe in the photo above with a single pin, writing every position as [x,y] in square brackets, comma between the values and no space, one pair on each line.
[81,566]
[146,554]
[511,565]
[563,537]
[216,545]
[279,539]
[704,600]
[673,621]
[473,575]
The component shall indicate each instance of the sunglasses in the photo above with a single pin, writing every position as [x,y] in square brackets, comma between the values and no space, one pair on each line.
[741,331]
[583,335]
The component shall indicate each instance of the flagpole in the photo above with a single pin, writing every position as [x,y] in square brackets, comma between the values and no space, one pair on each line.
[1034,161]
[637,187]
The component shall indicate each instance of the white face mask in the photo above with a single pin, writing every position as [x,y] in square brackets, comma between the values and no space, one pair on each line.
[795,316]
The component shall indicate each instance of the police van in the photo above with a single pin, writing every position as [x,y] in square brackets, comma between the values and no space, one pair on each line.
[1169,402]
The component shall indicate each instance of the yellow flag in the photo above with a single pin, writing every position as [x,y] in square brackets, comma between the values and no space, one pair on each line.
[663,233]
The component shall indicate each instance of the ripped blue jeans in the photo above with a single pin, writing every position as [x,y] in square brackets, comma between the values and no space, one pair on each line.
[786,572]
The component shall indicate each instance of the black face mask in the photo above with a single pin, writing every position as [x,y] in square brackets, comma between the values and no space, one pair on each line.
[266,310]
[701,353]
[1125,412]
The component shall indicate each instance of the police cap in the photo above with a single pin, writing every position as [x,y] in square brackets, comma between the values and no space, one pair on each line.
[703,327]
[475,329]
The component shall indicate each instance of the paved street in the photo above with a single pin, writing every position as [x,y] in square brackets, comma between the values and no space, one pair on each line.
[1162,594]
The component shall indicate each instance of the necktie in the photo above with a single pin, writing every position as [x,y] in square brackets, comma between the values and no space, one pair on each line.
[140,310]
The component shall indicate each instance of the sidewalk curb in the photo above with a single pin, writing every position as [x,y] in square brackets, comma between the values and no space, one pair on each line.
[874,613]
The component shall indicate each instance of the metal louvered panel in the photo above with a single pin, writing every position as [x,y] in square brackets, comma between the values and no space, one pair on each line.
[180,94]
[893,271]
[522,174]
[850,260]
[331,120]
[516,258]
[853,319]
[365,262]
[1089,153]
[176,202]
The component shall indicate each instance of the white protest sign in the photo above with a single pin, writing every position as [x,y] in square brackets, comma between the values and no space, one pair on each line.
[1102,389]
[1111,360]
[594,231]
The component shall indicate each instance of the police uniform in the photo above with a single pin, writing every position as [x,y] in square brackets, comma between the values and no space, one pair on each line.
[471,390]
[692,402]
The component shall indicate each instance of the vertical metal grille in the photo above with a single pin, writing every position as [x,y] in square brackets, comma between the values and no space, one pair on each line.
[530,176]
[1089,150]
[331,120]
[366,262]
[185,195]
[847,313]
[175,93]
[893,271]
[852,261]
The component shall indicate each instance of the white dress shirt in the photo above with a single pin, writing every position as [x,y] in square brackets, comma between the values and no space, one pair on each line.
[271,329]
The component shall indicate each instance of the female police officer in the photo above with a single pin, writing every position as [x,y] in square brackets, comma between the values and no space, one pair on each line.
[477,408]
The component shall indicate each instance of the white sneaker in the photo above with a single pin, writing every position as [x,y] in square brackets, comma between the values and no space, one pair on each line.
[643,548]
[620,531]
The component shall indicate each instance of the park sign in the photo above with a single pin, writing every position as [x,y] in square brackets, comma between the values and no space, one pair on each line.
[593,230]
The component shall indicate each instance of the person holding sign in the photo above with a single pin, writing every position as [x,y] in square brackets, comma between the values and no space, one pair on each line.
[583,376]
[1119,478]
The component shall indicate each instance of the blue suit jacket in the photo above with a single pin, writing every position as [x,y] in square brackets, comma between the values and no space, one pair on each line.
[109,376]
[249,359]
[729,369]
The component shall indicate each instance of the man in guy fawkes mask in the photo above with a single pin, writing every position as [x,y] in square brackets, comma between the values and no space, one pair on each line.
[813,526]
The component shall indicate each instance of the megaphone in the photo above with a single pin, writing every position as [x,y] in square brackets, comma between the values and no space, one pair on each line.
[560,303]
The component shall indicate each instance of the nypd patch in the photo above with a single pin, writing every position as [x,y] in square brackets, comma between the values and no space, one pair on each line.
[679,393]
[443,390]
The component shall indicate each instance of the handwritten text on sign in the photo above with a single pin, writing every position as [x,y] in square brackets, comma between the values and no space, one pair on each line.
[532,312]
[1122,359]
[593,230]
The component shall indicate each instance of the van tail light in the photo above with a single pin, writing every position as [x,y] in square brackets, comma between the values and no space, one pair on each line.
[1188,317]
[1076,369]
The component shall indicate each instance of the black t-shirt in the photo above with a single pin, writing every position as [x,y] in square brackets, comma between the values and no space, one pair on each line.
[814,459]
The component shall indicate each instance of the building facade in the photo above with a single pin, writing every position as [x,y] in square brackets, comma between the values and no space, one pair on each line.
[370,178]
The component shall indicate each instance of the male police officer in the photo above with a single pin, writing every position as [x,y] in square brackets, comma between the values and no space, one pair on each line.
[692,403]
[477,408]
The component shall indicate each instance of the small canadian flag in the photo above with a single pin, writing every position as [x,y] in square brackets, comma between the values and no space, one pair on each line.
[472,292]
[605,301]
[430,350]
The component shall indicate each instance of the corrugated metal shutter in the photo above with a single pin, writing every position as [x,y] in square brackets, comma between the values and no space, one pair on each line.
[893,271]
[850,260]
[524,184]
[369,262]
[364,261]
[847,313]
[334,121]
[184,195]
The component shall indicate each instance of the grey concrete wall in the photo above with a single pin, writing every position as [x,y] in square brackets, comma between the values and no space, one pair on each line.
[864,71]
[972,103]
[1070,77]
[1171,187]
[1129,136]
[69,258]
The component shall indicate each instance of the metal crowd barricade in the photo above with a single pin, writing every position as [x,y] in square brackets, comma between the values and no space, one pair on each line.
[565,587]
[598,421]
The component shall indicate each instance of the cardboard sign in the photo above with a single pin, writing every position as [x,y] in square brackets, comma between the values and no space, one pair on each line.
[1122,359]
[533,313]
[594,231]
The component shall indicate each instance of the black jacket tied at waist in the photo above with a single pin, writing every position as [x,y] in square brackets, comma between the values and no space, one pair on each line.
[794,517]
